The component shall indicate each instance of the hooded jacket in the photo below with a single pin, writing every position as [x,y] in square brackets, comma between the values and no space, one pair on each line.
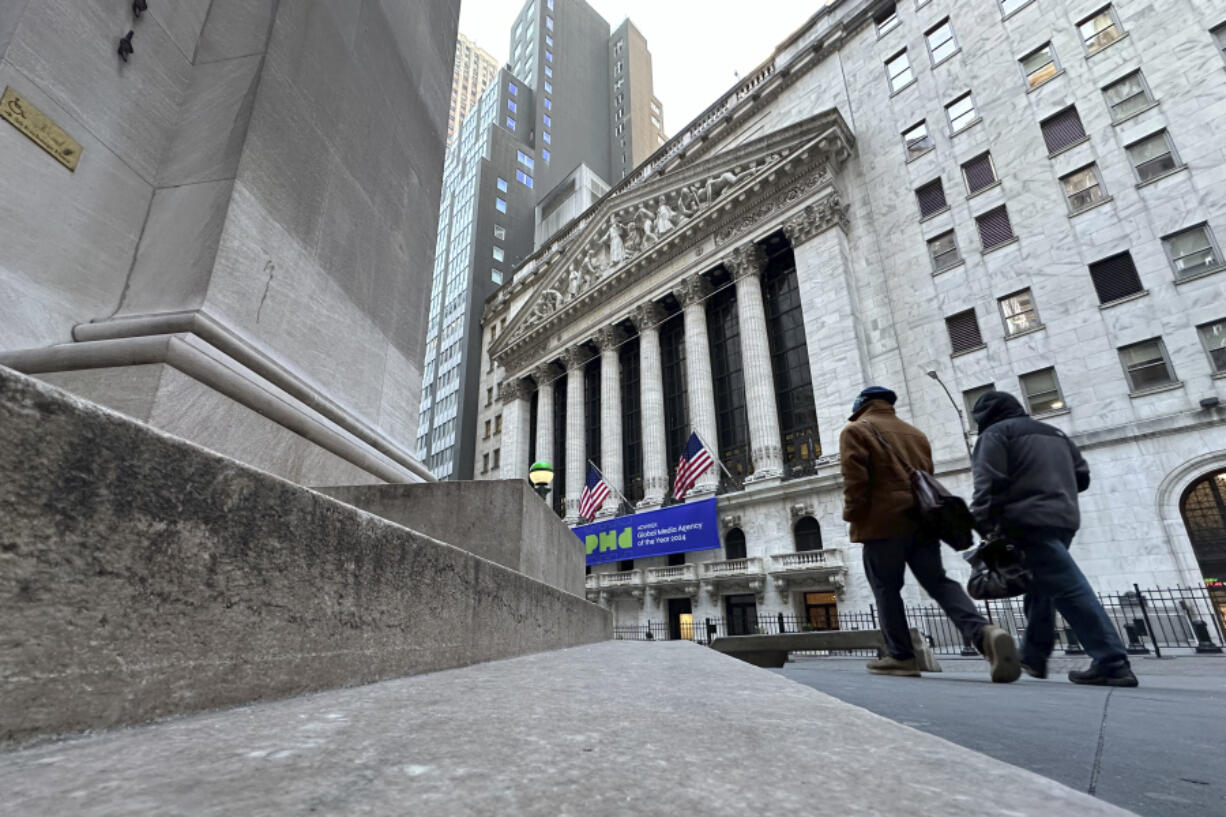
[877,496]
[1027,474]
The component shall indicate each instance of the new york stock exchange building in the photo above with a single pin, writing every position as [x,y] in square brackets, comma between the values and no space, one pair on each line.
[941,200]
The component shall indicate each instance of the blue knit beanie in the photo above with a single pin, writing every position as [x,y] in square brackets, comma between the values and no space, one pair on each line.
[873,393]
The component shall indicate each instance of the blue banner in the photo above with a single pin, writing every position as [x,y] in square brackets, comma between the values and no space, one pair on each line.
[677,529]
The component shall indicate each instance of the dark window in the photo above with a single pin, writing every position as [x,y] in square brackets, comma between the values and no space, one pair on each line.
[1213,336]
[1062,129]
[676,407]
[963,331]
[734,544]
[785,326]
[931,198]
[591,412]
[625,564]
[533,408]
[632,431]
[1115,277]
[675,559]
[731,417]
[558,492]
[979,173]
[808,534]
[994,228]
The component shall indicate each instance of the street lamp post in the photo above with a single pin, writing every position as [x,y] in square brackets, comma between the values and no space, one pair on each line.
[541,475]
[966,436]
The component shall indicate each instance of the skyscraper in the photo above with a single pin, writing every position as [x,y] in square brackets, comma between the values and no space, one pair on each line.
[474,71]
[569,116]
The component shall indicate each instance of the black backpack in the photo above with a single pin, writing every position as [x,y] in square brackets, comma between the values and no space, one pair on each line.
[940,513]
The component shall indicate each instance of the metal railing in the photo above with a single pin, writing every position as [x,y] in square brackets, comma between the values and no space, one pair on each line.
[1181,620]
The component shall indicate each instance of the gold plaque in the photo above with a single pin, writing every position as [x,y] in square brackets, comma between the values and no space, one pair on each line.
[38,126]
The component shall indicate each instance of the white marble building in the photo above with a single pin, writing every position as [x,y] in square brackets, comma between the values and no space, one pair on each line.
[1029,197]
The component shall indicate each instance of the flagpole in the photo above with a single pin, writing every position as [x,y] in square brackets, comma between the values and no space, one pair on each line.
[715,456]
[611,485]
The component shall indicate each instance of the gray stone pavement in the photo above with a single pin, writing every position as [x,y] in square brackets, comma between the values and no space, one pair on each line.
[1158,750]
[616,728]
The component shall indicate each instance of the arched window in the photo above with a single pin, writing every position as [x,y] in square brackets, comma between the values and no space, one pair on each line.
[734,544]
[808,534]
[1204,513]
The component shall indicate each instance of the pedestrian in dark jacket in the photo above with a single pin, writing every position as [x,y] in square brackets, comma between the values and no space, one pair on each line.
[1027,477]
[877,451]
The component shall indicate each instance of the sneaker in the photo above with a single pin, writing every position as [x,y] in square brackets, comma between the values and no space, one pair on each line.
[1001,653]
[1119,675]
[906,667]
[1035,669]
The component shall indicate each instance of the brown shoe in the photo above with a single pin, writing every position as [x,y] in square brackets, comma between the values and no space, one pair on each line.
[999,649]
[906,667]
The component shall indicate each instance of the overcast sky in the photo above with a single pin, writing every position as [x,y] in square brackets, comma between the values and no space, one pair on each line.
[696,45]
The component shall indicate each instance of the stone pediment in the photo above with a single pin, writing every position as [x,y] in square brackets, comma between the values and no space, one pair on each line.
[635,230]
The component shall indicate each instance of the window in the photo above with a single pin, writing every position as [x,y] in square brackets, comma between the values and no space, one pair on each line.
[548,87]
[808,534]
[1040,65]
[549,4]
[898,71]
[546,138]
[1213,335]
[617,69]
[1062,130]
[498,424]
[979,173]
[545,153]
[497,457]
[500,232]
[916,140]
[524,159]
[511,123]
[547,120]
[1127,96]
[1099,30]
[548,57]
[502,184]
[631,420]
[1219,37]
[886,19]
[496,276]
[548,23]
[727,372]
[1152,157]
[511,105]
[512,89]
[500,205]
[1146,365]
[548,70]
[498,254]
[619,46]
[931,198]
[1010,6]
[734,544]
[487,430]
[485,463]
[1042,391]
[489,396]
[1083,188]
[621,114]
[943,250]
[548,103]
[1019,313]
[1115,278]
[1192,251]
[961,113]
[523,178]
[994,228]
[941,42]
[969,398]
[964,332]
[790,365]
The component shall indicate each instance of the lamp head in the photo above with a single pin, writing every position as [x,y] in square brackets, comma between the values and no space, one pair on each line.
[541,473]
[933,374]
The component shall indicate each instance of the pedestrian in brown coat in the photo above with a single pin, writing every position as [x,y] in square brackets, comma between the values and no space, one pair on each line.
[877,452]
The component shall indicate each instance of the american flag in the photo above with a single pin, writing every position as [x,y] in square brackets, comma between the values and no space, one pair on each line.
[693,463]
[595,492]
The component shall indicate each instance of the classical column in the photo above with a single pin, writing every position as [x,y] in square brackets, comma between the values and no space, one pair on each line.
[745,265]
[544,377]
[576,449]
[516,415]
[700,386]
[838,357]
[647,319]
[609,340]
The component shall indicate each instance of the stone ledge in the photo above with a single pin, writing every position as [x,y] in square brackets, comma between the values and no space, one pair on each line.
[618,728]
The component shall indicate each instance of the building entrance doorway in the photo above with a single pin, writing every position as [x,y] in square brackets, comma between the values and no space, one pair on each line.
[742,614]
[821,611]
[1204,515]
[680,619]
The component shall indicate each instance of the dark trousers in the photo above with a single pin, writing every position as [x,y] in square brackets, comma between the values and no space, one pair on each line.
[885,563]
[1059,584]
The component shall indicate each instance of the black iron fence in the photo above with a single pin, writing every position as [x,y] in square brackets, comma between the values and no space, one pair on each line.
[1175,619]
